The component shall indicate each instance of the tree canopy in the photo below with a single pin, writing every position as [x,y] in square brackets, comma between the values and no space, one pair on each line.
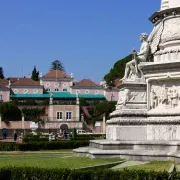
[35,74]
[117,72]
[9,111]
[57,65]
[1,73]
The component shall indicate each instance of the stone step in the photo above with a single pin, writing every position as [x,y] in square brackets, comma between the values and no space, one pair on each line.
[128,164]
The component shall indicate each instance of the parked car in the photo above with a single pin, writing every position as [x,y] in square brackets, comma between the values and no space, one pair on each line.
[83,132]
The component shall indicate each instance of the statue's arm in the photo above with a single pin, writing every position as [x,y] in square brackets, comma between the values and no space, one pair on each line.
[144,50]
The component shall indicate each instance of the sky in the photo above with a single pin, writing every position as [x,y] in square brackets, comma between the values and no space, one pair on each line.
[87,36]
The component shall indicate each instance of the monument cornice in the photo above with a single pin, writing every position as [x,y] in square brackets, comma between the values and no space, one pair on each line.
[160,15]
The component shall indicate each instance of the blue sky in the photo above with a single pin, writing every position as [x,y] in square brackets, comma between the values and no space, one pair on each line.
[88,36]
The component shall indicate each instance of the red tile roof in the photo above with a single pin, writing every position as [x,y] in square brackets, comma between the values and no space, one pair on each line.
[56,74]
[87,82]
[26,82]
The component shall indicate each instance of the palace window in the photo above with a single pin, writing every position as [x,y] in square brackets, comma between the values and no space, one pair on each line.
[96,92]
[35,91]
[56,89]
[48,89]
[77,91]
[68,115]
[15,91]
[65,90]
[59,115]
[25,91]
[87,91]
[48,84]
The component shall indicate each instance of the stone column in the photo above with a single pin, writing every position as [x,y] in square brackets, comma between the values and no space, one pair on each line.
[77,109]
[104,124]
[51,107]
[23,124]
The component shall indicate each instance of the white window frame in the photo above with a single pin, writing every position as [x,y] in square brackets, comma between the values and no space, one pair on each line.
[67,119]
[64,84]
[87,92]
[48,84]
[60,119]
[35,91]
[96,92]
[56,85]
[15,91]
[77,91]
[25,91]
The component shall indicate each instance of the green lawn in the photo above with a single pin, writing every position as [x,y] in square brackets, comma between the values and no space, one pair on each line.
[51,161]
[153,166]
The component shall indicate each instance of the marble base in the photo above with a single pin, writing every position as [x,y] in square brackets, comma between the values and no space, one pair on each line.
[132,150]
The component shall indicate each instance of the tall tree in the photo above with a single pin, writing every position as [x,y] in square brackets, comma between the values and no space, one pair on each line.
[1,73]
[35,74]
[57,65]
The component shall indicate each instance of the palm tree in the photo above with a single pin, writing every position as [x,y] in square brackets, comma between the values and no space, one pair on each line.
[57,65]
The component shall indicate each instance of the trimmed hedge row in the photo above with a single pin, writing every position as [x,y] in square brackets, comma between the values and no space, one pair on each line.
[37,146]
[30,138]
[26,173]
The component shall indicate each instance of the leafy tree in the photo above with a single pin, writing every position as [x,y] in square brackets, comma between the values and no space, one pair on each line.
[35,74]
[57,65]
[117,72]
[1,73]
[10,112]
[105,107]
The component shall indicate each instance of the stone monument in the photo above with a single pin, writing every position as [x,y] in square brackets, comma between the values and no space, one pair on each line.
[146,122]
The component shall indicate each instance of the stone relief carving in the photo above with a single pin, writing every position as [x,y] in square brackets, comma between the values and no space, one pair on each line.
[124,97]
[164,97]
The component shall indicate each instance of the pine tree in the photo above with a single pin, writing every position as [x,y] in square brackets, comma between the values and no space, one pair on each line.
[35,74]
[1,73]
[57,65]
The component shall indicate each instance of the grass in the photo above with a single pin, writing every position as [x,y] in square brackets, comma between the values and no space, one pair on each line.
[51,161]
[153,166]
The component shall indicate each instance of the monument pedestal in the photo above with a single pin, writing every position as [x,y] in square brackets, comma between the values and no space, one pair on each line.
[146,122]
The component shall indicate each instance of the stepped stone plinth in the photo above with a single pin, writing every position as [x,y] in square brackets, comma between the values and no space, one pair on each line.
[146,122]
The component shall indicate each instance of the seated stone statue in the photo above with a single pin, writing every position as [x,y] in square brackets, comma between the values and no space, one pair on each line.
[132,66]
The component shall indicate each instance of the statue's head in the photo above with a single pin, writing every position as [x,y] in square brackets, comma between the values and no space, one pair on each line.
[143,37]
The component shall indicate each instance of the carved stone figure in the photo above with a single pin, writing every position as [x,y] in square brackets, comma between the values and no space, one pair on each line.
[132,66]
[124,97]
[174,98]
[163,98]
[153,99]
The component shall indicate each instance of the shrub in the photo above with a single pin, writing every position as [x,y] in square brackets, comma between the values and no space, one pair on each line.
[38,145]
[32,138]
[21,173]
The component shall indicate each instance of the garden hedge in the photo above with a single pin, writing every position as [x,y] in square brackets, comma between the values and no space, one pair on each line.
[37,146]
[28,173]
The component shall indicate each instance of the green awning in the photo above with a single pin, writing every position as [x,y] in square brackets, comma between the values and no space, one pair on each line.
[57,95]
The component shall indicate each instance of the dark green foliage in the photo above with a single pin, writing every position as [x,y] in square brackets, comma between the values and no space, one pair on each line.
[117,72]
[88,136]
[43,145]
[32,138]
[27,173]
[33,114]
[10,112]
[35,74]
[105,107]
[74,133]
[1,73]
[57,65]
